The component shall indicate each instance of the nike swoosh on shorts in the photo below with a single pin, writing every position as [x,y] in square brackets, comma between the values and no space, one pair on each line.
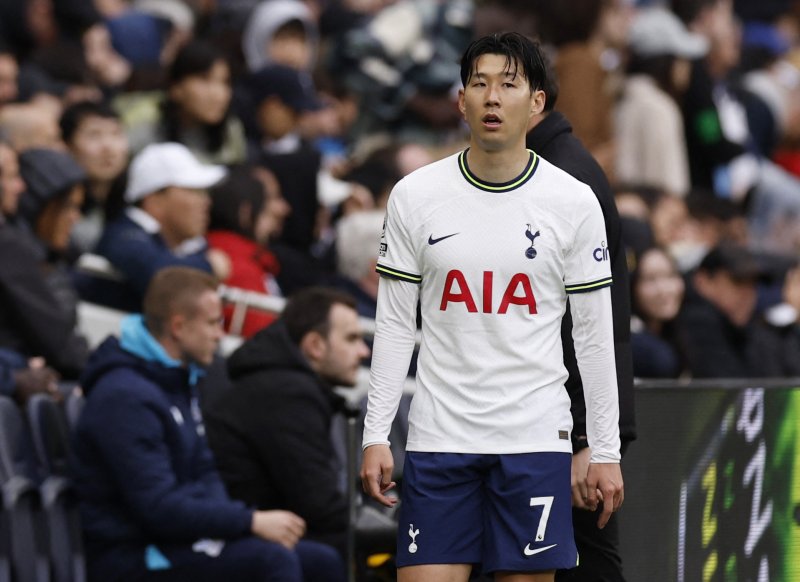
[529,552]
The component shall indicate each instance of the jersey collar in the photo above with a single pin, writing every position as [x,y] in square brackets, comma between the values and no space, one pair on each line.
[514,183]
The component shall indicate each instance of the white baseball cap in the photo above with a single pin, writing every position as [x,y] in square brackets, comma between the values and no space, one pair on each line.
[658,32]
[161,165]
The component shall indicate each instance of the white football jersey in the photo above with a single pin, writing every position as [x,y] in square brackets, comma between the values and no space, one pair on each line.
[495,263]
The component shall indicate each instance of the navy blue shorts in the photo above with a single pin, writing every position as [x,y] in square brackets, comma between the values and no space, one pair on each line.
[503,512]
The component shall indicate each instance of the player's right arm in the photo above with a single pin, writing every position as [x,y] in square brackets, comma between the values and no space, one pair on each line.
[395,329]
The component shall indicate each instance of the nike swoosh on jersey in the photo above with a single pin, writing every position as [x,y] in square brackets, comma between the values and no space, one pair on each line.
[529,552]
[433,241]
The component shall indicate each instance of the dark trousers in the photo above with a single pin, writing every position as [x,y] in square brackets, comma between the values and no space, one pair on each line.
[598,550]
[244,560]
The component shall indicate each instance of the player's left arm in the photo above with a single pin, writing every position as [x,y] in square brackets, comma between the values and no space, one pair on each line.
[594,348]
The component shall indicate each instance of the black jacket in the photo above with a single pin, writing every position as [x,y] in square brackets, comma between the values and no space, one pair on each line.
[142,469]
[716,348]
[552,139]
[37,308]
[270,434]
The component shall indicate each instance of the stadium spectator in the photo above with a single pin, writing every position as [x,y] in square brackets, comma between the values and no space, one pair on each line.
[280,94]
[271,433]
[20,377]
[195,110]
[166,220]
[38,307]
[651,147]
[657,290]
[724,336]
[357,238]
[152,504]
[282,32]
[95,137]
[246,213]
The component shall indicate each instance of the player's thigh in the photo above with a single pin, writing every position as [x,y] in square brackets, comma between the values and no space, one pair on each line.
[435,573]
[441,511]
[529,514]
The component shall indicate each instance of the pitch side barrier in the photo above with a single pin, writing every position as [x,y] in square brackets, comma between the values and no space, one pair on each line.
[712,484]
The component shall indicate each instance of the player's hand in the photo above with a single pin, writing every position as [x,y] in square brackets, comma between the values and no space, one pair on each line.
[580,469]
[604,484]
[376,473]
[282,527]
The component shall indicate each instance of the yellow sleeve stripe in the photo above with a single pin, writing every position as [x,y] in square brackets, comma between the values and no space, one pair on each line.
[393,273]
[586,287]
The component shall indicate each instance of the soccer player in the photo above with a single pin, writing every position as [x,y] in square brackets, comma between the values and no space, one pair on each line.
[491,241]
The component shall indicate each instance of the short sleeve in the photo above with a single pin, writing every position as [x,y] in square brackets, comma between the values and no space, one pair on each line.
[396,256]
[588,265]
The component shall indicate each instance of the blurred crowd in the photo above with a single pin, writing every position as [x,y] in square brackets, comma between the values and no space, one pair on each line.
[259,141]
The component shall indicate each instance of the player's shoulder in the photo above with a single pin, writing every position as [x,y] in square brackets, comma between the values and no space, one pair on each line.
[551,173]
[567,187]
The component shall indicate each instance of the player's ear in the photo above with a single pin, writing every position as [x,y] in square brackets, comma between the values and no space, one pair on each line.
[537,102]
[461,105]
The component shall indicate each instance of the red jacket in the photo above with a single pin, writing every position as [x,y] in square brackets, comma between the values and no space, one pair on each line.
[252,266]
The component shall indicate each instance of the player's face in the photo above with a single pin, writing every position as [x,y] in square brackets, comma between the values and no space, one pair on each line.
[497,104]
[344,347]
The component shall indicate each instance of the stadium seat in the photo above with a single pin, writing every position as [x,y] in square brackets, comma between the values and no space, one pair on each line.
[5,543]
[73,405]
[50,433]
[21,500]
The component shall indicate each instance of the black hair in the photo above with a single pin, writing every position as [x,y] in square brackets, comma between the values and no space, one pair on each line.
[77,113]
[227,198]
[518,50]
[309,310]
[196,58]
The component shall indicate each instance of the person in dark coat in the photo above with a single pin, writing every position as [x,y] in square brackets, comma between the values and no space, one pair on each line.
[551,137]
[164,225]
[37,301]
[271,431]
[152,504]
[723,333]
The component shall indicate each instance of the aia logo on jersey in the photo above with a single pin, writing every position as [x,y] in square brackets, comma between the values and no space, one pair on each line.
[518,292]
[600,254]
[530,252]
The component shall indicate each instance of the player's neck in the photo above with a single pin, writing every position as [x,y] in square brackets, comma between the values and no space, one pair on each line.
[497,167]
